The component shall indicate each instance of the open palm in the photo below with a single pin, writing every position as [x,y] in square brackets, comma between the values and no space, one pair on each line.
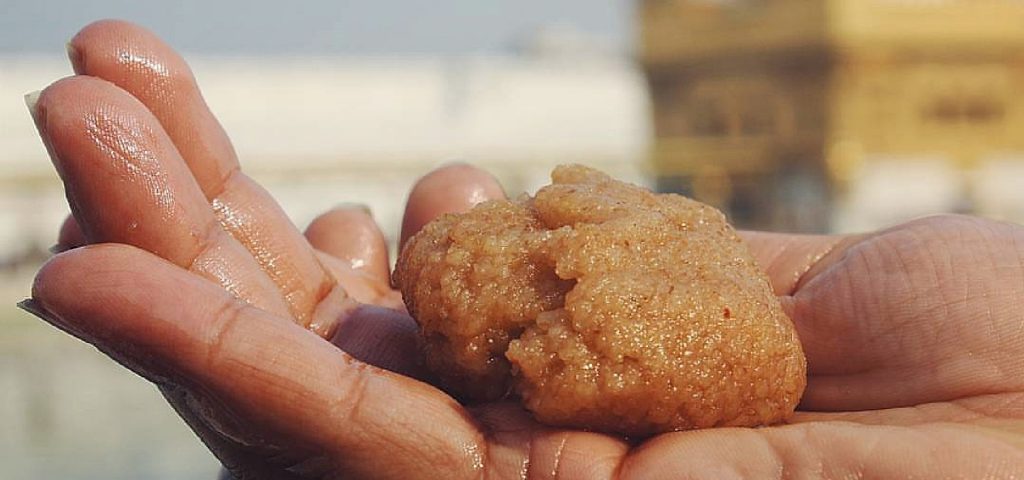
[290,357]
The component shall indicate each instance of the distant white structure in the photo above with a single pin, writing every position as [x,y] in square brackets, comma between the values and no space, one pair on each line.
[319,131]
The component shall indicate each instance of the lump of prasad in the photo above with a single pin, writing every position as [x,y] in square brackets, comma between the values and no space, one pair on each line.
[604,306]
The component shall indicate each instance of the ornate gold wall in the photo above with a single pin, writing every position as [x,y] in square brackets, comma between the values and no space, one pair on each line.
[771,108]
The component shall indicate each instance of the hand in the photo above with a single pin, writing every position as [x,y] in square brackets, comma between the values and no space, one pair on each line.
[913,335]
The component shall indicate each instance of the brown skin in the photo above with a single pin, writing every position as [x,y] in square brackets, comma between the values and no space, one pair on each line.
[913,335]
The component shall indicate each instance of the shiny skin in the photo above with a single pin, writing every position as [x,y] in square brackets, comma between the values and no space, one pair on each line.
[913,335]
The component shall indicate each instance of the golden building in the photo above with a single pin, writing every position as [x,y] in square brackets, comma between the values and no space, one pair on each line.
[793,113]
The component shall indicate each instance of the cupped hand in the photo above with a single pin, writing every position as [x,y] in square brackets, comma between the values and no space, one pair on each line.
[291,358]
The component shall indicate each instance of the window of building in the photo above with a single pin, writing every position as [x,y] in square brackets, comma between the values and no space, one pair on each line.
[964,109]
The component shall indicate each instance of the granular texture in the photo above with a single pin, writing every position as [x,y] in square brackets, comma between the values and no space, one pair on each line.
[603,306]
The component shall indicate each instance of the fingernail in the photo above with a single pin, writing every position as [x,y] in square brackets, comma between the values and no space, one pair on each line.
[31,99]
[33,307]
[75,58]
[354,206]
[57,248]
[30,305]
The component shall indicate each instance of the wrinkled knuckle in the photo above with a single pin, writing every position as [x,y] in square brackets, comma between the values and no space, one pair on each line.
[222,327]
[348,406]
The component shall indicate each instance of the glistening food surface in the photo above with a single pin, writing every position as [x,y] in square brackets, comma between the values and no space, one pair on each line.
[603,306]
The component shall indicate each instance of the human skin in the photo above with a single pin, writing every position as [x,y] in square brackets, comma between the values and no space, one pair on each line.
[914,335]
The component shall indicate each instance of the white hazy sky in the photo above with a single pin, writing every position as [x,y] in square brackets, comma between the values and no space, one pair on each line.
[320,26]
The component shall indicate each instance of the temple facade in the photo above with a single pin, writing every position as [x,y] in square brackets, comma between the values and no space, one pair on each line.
[838,115]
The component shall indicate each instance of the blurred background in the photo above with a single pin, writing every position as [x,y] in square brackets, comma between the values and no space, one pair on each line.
[797,115]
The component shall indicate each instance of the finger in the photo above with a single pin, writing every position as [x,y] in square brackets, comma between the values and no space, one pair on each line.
[140,63]
[350,234]
[126,183]
[70,235]
[293,391]
[827,450]
[449,189]
[927,311]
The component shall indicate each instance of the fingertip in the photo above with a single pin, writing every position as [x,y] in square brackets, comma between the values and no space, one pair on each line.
[130,56]
[349,233]
[452,188]
[104,25]
[39,304]
[336,224]
[103,30]
[74,94]
[97,31]
[68,275]
[36,102]
[66,111]
[469,184]
[40,284]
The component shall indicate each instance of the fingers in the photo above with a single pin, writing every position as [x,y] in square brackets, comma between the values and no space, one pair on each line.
[134,59]
[119,168]
[126,183]
[291,390]
[140,63]
[250,215]
[351,235]
[449,189]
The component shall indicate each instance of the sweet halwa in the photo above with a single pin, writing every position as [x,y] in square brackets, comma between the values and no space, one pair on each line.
[602,306]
